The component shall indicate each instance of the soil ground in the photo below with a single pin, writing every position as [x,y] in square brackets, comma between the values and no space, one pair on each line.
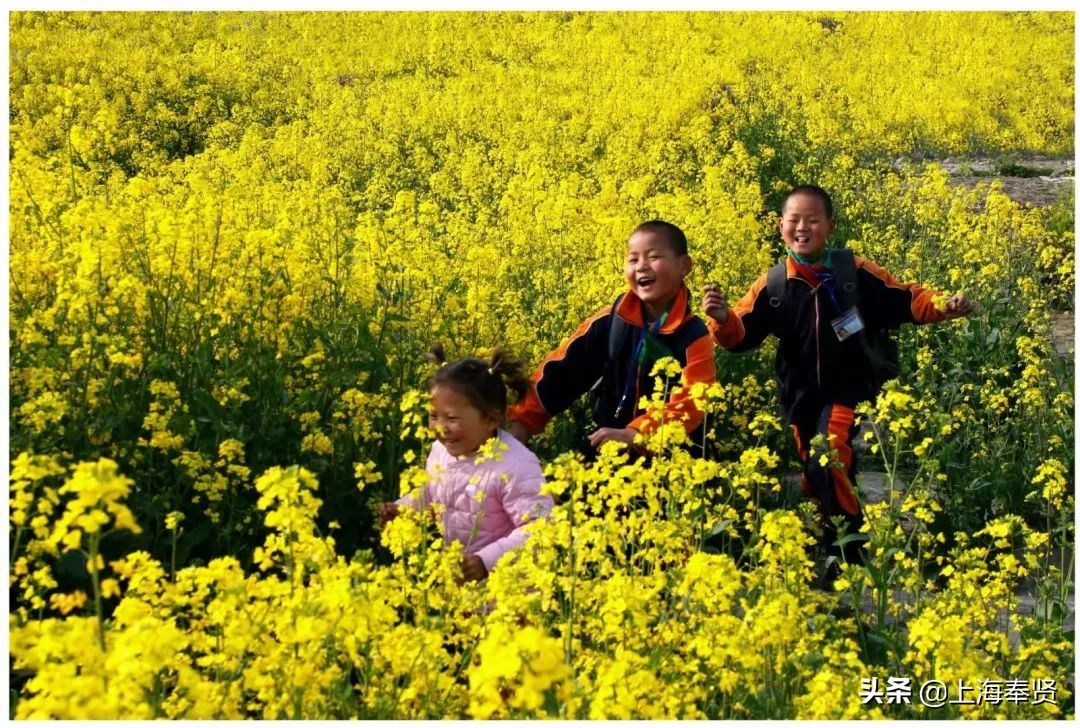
[1063,332]
[1049,180]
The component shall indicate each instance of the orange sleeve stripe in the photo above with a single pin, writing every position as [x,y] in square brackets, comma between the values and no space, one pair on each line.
[746,304]
[922,299]
[530,411]
[729,333]
[560,353]
[732,331]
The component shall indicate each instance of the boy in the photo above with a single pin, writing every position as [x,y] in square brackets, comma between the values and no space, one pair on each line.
[823,362]
[613,351]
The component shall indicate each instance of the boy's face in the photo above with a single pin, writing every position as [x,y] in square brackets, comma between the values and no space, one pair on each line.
[654,271]
[805,226]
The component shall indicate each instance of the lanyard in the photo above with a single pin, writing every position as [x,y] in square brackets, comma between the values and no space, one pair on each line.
[821,278]
[828,282]
[634,365]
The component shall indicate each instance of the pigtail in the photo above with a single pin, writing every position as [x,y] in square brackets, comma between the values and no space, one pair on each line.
[510,370]
[483,383]
[436,356]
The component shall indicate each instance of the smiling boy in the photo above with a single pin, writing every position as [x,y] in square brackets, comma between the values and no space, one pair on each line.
[651,320]
[828,357]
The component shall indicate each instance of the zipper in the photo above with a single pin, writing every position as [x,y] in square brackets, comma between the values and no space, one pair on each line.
[817,334]
[637,393]
[817,324]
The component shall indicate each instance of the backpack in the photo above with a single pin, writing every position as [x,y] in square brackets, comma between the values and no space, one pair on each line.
[602,400]
[878,346]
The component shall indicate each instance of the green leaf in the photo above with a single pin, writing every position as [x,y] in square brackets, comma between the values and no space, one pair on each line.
[719,528]
[852,537]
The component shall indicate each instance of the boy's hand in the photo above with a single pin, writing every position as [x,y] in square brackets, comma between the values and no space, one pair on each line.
[959,305]
[472,568]
[612,434]
[519,432]
[387,513]
[714,303]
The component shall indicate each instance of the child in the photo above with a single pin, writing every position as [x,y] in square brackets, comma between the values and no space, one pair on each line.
[613,351]
[825,360]
[485,504]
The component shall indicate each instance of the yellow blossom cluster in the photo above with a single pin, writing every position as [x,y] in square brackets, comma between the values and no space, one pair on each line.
[589,620]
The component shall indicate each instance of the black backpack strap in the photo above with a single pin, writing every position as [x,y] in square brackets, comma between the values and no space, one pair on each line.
[878,347]
[847,286]
[602,402]
[776,283]
[617,332]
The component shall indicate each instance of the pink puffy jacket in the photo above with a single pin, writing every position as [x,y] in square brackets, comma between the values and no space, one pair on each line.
[485,505]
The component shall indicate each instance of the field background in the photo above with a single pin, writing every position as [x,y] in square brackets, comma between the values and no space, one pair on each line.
[233,236]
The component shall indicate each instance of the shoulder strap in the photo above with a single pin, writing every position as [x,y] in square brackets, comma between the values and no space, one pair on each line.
[776,283]
[843,263]
[617,330]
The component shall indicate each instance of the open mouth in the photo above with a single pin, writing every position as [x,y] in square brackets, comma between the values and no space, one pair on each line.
[802,239]
[645,282]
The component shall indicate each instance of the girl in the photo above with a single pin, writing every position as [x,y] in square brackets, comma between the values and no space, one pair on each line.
[486,501]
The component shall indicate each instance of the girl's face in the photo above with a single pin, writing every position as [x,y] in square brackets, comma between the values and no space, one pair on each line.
[805,226]
[460,426]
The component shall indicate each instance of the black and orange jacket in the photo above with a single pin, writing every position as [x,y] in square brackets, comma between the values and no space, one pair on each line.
[812,365]
[572,369]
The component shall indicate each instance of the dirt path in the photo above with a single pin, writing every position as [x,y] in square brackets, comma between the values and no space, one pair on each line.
[1063,333]
[1035,181]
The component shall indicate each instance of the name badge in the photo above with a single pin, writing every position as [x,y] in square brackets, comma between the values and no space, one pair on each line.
[847,323]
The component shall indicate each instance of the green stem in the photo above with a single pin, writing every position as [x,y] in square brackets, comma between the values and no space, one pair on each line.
[570,614]
[18,538]
[95,580]
[172,559]
[1063,589]
[71,165]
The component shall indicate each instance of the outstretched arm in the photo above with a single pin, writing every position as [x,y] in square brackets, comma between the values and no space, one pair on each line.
[566,374]
[888,303]
[745,325]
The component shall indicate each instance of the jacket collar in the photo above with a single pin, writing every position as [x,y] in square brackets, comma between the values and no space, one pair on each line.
[630,310]
[789,265]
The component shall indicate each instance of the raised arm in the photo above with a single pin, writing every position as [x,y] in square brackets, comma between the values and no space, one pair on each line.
[745,325]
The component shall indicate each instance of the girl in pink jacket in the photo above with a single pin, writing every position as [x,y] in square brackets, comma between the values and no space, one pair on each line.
[486,501]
